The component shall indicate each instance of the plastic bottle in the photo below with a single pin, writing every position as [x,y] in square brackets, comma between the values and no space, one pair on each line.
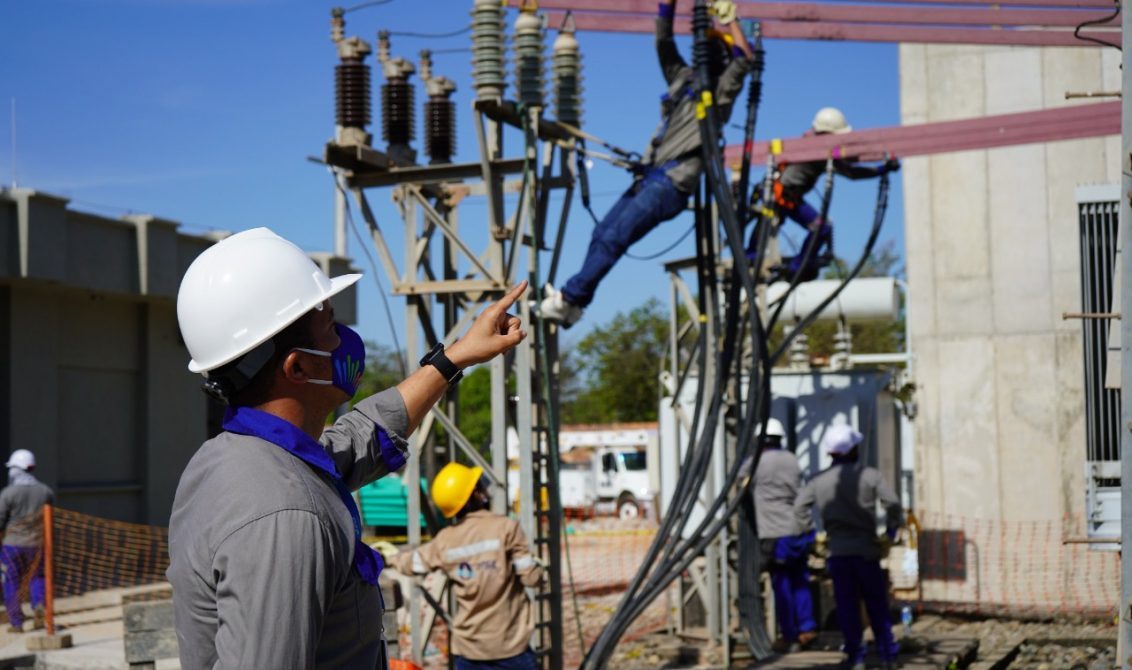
[906,619]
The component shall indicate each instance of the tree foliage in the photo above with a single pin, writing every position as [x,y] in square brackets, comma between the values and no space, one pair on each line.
[611,373]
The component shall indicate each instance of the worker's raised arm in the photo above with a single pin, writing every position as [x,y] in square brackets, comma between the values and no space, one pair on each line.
[854,171]
[494,332]
[671,62]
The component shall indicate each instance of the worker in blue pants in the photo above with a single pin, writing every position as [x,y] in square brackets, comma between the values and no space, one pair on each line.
[845,495]
[794,180]
[784,546]
[21,525]
[673,163]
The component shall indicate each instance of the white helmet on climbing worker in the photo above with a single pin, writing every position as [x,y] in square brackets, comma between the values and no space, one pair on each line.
[830,120]
[22,459]
[244,290]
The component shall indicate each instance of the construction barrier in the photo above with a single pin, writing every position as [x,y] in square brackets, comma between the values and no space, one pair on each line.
[1026,569]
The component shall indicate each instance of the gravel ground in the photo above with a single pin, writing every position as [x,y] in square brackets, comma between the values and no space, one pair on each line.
[1051,645]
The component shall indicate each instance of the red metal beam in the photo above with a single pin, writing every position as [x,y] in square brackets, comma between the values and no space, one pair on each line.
[840,13]
[625,23]
[1047,125]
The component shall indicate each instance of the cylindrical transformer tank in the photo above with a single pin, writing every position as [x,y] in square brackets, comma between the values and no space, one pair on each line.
[867,299]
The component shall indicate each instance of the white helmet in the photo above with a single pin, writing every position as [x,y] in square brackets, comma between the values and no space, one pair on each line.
[243,290]
[22,459]
[830,120]
[774,428]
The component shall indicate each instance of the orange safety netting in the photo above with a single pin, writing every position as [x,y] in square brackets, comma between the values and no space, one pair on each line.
[92,553]
[1015,568]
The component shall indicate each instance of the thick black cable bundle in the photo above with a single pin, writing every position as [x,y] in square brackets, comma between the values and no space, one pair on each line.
[655,575]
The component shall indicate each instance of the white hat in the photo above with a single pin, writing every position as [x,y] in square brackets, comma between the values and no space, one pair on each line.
[774,428]
[243,290]
[840,440]
[22,459]
[830,120]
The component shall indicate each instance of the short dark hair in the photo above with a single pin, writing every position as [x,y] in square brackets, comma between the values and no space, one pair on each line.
[258,389]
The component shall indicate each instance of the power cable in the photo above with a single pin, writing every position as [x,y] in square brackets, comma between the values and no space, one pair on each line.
[454,33]
[1095,22]
[371,3]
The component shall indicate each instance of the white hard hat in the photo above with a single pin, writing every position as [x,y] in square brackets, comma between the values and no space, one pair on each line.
[774,428]
[830,120]
[840,439]
[243,290]
[22,459]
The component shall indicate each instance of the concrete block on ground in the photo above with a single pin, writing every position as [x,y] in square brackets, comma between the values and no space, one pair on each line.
[148,616]
[167,664]
[48,642]
[151,645]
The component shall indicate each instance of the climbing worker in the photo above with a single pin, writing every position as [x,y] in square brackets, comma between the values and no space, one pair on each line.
[784,546]
[487,558]
[795,180]
[267,564]
[672,163]
[846,495]
[21,522]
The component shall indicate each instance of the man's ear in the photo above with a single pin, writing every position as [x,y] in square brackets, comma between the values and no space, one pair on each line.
[293,370]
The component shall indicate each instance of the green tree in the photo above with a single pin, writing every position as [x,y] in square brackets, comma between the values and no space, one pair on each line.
[611,373]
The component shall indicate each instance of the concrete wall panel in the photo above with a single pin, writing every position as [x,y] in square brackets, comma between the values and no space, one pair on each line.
[958,216]
[955,81]
[1013,81]
[918,243]
[968,428]
[1025,379]
[1019,240]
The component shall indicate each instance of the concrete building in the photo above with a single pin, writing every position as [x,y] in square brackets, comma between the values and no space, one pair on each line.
[93,375]
[993,261]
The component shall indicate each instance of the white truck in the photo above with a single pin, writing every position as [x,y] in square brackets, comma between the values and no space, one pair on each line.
[613,480]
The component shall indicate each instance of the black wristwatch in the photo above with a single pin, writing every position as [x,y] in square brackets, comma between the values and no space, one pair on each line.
[436,358]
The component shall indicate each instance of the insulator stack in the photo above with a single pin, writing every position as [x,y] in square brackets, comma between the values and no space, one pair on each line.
[351,85]
[397,111]
[567,78]
[487,49]
[701,48]
[528,59]
[440,114]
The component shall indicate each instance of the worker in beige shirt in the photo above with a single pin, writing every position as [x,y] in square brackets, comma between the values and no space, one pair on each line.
[487,558]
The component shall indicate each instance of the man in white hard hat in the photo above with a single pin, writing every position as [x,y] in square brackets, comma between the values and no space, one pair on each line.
[672,164]
[846,495]
[21,522]
[795,180]
[267,564]
[784,546]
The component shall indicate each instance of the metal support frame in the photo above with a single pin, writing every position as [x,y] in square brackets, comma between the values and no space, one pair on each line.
[1124,646]
[446,283]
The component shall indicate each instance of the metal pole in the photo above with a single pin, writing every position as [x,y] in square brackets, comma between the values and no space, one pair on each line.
[49,566]
[1125,639]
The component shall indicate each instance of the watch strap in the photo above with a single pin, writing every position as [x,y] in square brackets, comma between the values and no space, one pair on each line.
[447,369]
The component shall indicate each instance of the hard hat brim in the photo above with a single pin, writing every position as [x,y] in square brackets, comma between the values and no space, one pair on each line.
[337,285]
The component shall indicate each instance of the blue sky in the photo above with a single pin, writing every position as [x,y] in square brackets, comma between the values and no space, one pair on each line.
[205,111]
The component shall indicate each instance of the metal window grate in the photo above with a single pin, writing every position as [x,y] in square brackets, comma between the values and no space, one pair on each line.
[1099,225]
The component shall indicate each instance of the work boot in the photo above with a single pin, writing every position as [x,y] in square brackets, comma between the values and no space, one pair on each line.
[806,637]
[555,307]
[40,620]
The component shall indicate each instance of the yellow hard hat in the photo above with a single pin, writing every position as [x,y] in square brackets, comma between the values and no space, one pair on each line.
[453,487]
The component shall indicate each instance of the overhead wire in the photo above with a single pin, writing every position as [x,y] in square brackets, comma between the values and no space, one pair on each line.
[1096,22]
[454,33]
[363,5]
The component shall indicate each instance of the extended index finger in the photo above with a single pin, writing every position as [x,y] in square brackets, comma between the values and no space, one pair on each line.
[504,303]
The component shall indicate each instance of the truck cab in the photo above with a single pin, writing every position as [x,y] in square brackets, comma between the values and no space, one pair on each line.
[623,480]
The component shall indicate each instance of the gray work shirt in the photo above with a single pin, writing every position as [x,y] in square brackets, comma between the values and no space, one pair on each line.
[777,480]
[846,496]
[262,548]
[678,138]
[19,513]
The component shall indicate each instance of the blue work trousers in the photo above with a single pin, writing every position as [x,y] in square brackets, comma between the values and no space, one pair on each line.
[650,201]
[524,661]
[856,578]
[790,579]
[18,564]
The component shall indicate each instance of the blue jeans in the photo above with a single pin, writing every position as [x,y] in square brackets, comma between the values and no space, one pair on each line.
[650,201]
[524,661]
[790,579]
[18,562]
[856,578]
